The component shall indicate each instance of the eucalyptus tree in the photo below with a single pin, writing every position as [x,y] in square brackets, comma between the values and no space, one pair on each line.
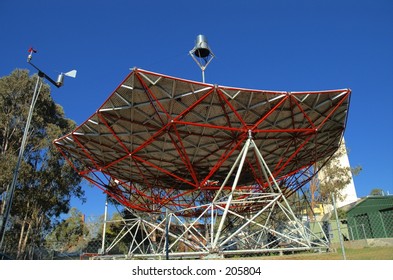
[70,235]
[335,177]
[46,182]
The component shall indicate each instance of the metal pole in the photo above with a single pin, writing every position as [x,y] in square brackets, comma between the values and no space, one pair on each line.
[212,224]
[338,228]
[167,234]
[104,228]
[383,225]
[228,203]
[350,229]
[268,174]
[364,231]
[10,194]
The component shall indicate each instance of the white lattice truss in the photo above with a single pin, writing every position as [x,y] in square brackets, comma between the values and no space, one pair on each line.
[219,229]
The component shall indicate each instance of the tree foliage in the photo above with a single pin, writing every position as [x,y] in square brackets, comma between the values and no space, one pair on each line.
[70,235]
[46,182]
[376,192]
[120,233]
[334,177]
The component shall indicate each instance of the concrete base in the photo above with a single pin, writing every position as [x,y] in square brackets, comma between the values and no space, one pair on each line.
[213,256]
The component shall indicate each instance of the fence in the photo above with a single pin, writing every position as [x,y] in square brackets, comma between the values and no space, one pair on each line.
[363,229]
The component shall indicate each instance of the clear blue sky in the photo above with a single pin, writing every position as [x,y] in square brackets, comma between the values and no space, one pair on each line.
[273,45]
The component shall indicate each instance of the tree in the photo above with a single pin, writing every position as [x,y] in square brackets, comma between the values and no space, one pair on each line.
[46,182]
[70,235]
[376,191]
[332,178]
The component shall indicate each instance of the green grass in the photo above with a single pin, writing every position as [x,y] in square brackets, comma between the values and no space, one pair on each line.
[371,253]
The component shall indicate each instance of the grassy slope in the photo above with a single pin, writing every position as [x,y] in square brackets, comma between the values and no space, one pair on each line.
[372,253]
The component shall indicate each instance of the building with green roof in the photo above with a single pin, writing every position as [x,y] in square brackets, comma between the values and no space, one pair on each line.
[371,217]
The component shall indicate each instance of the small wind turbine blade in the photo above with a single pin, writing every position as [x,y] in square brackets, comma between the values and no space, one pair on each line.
[71,74]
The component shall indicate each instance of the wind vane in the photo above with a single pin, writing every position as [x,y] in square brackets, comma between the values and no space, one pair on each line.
[60,79]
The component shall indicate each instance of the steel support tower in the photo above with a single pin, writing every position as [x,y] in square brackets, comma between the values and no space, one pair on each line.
[213,170]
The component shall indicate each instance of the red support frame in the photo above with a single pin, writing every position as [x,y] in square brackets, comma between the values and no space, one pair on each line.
[185,159]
